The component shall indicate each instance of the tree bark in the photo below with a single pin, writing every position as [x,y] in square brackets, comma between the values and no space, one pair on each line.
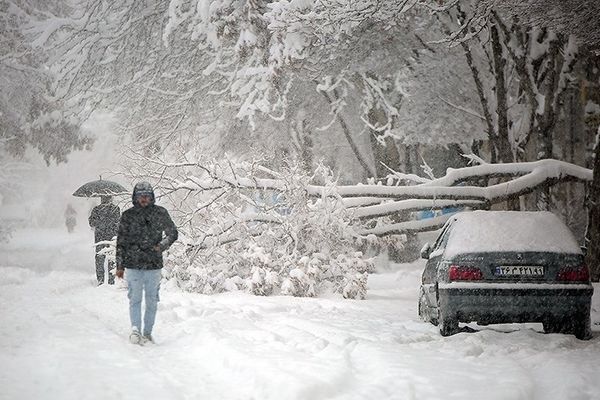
[548,119]
[592,258]
[504,149]
[491,132]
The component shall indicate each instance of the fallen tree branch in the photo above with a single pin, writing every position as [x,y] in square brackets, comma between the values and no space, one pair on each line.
[457,189]
[412,205]
[424,225]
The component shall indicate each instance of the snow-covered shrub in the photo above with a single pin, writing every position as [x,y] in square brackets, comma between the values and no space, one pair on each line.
[355,286]
[269,242]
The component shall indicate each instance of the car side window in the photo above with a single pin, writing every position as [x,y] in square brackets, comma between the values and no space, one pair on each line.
[443,238]
[438,241]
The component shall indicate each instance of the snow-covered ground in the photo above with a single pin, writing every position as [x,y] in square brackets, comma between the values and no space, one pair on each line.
[61,337]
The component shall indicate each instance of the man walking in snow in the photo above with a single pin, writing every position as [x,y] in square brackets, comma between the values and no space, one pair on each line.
[105,220]
[140,244]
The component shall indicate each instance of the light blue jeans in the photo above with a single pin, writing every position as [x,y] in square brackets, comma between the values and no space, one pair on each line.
[144,283]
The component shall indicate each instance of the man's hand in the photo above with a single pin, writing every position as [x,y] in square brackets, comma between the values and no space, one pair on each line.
[119,273]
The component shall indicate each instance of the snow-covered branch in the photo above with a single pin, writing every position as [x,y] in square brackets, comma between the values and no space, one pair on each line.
[406,227]
[458,188]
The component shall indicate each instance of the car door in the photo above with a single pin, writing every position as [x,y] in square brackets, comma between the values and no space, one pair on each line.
[431,268]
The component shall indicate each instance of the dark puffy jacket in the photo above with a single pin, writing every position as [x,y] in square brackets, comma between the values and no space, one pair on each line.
[105,221]
[141,230]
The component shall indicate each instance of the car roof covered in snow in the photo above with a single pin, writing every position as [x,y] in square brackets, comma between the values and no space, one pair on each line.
[504,231]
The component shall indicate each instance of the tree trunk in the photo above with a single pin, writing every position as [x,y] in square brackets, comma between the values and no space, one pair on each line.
[592,258]
[383,153]
[491,132]
[502,143]
[504,149]
[544,197]
[548,119]
[348,134]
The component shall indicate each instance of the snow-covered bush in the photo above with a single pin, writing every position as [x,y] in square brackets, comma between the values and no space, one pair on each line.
[270,242]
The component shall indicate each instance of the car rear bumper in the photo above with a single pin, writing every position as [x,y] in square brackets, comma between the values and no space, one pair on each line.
[509,302]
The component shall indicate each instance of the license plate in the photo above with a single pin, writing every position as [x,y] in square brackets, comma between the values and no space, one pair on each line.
[520,270]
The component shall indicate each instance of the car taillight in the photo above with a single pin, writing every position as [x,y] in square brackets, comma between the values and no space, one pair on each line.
[459,273]
[571,274]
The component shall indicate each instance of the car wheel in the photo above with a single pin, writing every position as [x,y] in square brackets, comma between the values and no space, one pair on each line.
[433,320]
[554,325]
[425,309]
[448,324]
[422,306]
[581,327]
[578,325]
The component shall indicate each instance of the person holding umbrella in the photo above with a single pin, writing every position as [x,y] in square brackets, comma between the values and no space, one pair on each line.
[140,244]
[104,218]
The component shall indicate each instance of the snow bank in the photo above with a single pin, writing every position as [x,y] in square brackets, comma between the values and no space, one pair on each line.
[492,231]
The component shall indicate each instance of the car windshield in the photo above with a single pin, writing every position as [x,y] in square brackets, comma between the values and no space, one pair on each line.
[505,231]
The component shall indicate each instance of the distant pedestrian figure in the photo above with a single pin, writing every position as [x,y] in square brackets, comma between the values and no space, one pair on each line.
[104,218]
[70,218]
[140,244]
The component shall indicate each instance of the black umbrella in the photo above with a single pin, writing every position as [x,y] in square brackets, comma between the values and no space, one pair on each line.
[100,188]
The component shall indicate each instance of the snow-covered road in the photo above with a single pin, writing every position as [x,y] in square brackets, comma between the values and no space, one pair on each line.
[63,338]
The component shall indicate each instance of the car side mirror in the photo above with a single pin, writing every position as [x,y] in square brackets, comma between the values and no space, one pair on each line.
[426,251]
[584,250]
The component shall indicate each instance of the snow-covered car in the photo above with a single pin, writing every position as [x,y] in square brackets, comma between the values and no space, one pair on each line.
[506,267]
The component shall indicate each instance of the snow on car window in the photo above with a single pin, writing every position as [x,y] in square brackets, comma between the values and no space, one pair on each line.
[490,231]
